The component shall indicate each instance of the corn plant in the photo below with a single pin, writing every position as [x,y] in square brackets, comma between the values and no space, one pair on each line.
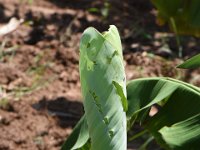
[113,106]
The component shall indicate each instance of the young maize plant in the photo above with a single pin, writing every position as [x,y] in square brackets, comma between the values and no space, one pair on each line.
[104,88]
[112,107]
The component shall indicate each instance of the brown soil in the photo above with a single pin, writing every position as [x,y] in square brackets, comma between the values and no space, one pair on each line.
[40,98]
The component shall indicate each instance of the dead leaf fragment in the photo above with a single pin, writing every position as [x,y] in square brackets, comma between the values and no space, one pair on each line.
[12,25]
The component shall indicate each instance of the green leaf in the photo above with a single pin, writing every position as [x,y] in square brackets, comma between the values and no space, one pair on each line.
[168,8]
[78,137]
[186,15]
[194,13]
[87,146]
[100,64]
[120,92]
[183,133]
[179,110]
[193,62]
[143,93]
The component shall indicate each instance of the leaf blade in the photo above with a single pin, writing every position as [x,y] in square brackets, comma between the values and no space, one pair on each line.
[78,137]
[181,104]
[191,63]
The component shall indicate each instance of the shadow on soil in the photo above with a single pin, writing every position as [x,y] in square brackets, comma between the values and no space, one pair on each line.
[77,4]
[67,113]
[2,14]
[56,26]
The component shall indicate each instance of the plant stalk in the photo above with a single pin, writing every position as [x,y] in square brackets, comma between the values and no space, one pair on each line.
[137,135]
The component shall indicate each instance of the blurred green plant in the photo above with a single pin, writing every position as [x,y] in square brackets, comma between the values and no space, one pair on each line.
[3,100]
[109,113]
[183,17]
[7,52]
[104,11]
